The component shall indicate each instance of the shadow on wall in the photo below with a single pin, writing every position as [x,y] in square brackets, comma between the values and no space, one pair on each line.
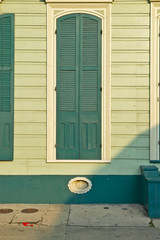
[115,188]
[117,182]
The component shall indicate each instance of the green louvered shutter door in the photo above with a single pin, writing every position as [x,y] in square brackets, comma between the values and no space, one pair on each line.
[6,85]
[78,87]
[67,96]
[90,86]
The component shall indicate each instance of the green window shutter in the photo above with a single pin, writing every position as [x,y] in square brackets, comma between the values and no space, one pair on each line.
[67,78]
[78,87]
[90,85]
[6,85]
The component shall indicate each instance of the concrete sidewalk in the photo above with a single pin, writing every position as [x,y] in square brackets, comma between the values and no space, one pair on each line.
[76,222]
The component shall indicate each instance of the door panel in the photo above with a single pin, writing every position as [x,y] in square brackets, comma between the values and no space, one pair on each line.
[67,97]
[78,87]
[90,84]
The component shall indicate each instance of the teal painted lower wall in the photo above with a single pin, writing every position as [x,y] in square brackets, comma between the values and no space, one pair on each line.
[49,189]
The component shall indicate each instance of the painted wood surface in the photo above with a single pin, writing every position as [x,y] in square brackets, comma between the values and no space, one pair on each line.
[21,189]
[30,80]
[78,130]
[130,81]
[6,86]
[130,91]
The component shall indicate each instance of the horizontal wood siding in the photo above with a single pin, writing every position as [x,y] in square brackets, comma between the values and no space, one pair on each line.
[130,81]
[130,90]
[30,78]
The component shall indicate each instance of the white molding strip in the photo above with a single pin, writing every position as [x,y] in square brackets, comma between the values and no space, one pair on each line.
[78,161]
[154,80]
[78,1]
[55,11]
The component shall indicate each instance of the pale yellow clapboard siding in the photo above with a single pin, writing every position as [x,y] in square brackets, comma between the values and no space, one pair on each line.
[30,140]
[130,92]
[28,7]
[30,128]
[129,104]
[30,19]
[30,68]
[126,116]
[130,56]
[30,92]
[122,166]
[30,44]
[34,167]
[30,116]
[130,32]
[14,168]
[132,141]
[130,8]
[29,152]
[30,104]
[130,68]
[130,81]
[130,20]
[129,153]
[130,44]
[30,56]
[30,80]
[30,32]
[130,128]
[123,27]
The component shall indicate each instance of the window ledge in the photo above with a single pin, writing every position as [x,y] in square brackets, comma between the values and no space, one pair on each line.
[78,161]
[78,1]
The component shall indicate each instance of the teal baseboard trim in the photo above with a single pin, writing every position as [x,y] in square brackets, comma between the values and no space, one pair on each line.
[151,190]
[154,161]
[53,189]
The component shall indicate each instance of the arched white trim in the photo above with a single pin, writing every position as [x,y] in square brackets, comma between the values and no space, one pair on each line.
[72,11]
[53,12]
